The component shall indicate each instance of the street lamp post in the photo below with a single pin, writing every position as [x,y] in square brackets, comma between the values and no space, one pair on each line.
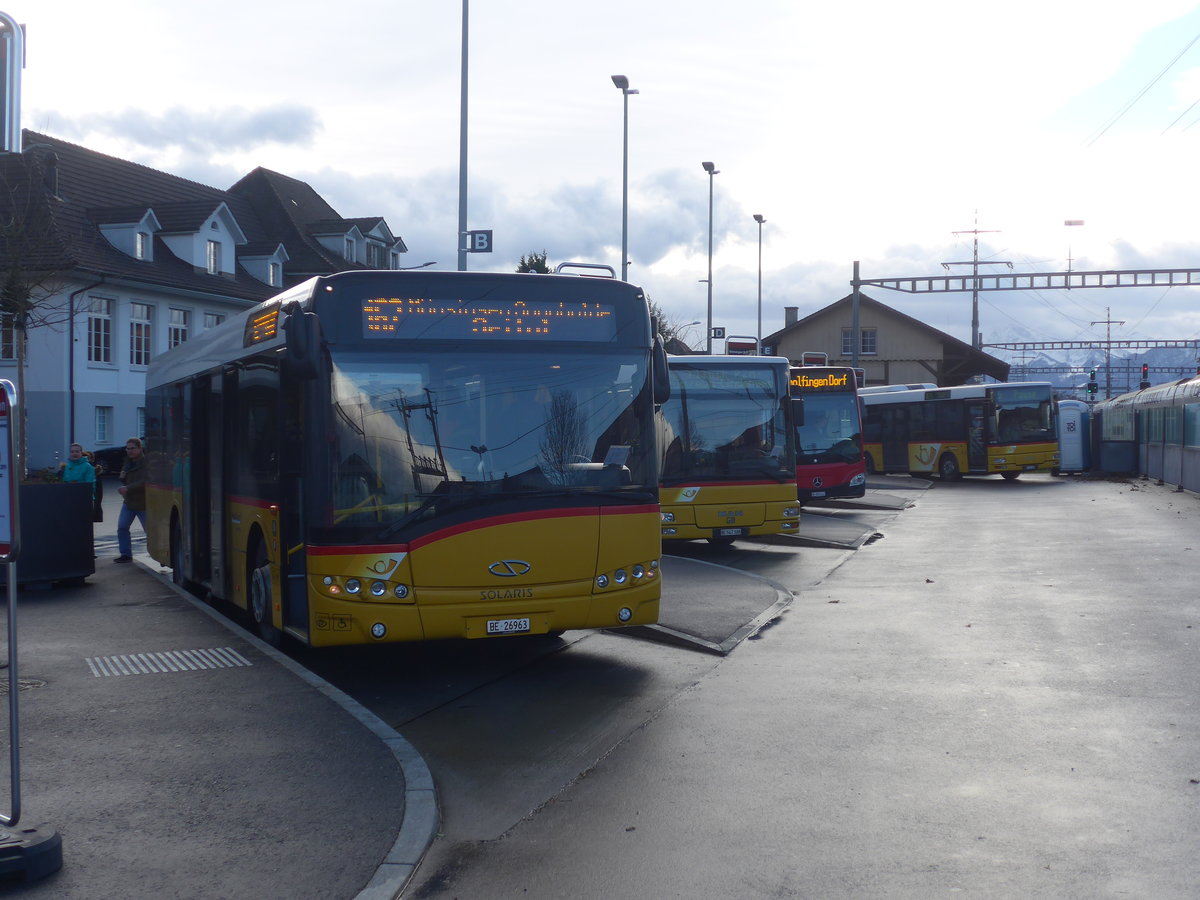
[711,170]
[623,83]
[758,345]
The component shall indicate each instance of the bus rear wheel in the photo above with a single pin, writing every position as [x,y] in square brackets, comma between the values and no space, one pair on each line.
[948,468]
[1010,476]
[720,541]
[261,595]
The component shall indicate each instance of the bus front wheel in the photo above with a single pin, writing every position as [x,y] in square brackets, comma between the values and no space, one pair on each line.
[261,594]
[948,468]
[1010,476]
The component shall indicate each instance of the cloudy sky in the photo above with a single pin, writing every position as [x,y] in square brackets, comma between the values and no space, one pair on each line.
[870,131]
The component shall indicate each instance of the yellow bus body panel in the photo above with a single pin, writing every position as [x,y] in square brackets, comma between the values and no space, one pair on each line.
[699,510]
[461,580]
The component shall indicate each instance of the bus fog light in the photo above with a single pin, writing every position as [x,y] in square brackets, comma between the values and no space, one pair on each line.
[401,591]
[378,630]
[353,585]
[654,563]
[601,581]
[378,588]
[624,614]
[639,571]
[791,511]
[622,576]
[669,531]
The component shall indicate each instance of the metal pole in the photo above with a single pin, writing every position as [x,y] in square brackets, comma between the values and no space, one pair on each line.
[759,219]
[462,150]
[854,303]
[623,83]
[711,170]
[625,187]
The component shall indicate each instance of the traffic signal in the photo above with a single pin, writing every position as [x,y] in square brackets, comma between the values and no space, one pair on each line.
[1092,384]
[1145,377]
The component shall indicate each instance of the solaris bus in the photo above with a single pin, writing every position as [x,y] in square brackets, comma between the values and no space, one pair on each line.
[402,456]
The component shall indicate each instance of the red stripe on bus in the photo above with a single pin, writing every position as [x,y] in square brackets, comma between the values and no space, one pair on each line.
[357,548]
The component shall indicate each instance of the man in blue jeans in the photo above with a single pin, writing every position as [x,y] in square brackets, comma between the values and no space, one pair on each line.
[133,489]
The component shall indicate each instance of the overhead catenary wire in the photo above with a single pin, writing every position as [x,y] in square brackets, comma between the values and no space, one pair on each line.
[1116,117]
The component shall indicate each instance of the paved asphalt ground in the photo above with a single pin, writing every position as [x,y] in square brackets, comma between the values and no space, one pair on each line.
[998,698]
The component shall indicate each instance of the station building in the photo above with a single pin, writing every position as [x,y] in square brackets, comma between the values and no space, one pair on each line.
[893,349]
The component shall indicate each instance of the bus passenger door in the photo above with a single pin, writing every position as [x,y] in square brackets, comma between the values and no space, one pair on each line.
[895,439]
[976,437]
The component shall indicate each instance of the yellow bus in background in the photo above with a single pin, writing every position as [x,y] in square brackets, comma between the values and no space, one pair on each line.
[404,456]
[728,449]
[972,429]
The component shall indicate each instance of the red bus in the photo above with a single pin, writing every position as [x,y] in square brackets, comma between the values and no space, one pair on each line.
[829,450]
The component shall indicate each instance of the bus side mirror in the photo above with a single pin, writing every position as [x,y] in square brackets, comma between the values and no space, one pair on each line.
[661,376]
[300,333]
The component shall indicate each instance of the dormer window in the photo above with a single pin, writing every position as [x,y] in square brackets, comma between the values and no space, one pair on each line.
[214,257]
[273,274]
[139,245]
[349,254]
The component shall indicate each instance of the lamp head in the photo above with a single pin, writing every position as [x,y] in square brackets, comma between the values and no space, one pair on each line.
[759,219]
[621,81]
[709,168]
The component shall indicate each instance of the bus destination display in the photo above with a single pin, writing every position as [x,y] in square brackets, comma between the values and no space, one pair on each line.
[521,320]
[809,380]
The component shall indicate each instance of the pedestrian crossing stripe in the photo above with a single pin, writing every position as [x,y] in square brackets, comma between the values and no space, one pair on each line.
[166,661]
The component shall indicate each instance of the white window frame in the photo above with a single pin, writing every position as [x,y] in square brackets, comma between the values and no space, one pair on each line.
[141,334]
[102,422]
[212,320]
[100,330]
[178,327]
[213,257]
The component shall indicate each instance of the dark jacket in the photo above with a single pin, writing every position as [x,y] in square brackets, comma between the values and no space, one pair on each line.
[133,474]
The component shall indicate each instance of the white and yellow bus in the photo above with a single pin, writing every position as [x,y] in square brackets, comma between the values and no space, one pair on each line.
[728,449]
[972,429]
[405,456]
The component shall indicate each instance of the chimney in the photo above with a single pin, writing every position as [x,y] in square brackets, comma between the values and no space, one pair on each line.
[791,315]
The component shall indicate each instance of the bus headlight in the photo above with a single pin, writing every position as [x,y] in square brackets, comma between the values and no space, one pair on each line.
[791,511]
[639,571]
[601,581]
[668,517]
[378,588]
[621,577]
[401,591]
[353,585]
[858,479]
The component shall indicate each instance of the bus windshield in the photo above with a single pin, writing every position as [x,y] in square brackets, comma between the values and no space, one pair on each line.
[419,433]
[1024,414]
[726,422]
[829,431]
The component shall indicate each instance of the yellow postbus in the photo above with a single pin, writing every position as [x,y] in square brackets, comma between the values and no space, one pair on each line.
[403,456]
[728,449]
[972,429]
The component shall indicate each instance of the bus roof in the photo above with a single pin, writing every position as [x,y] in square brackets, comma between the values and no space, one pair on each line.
[725,360]
[907,394]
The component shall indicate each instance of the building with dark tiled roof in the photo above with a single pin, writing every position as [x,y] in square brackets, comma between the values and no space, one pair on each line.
[127,261]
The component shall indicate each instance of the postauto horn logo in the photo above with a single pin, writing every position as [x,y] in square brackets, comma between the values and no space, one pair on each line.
[509,568]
